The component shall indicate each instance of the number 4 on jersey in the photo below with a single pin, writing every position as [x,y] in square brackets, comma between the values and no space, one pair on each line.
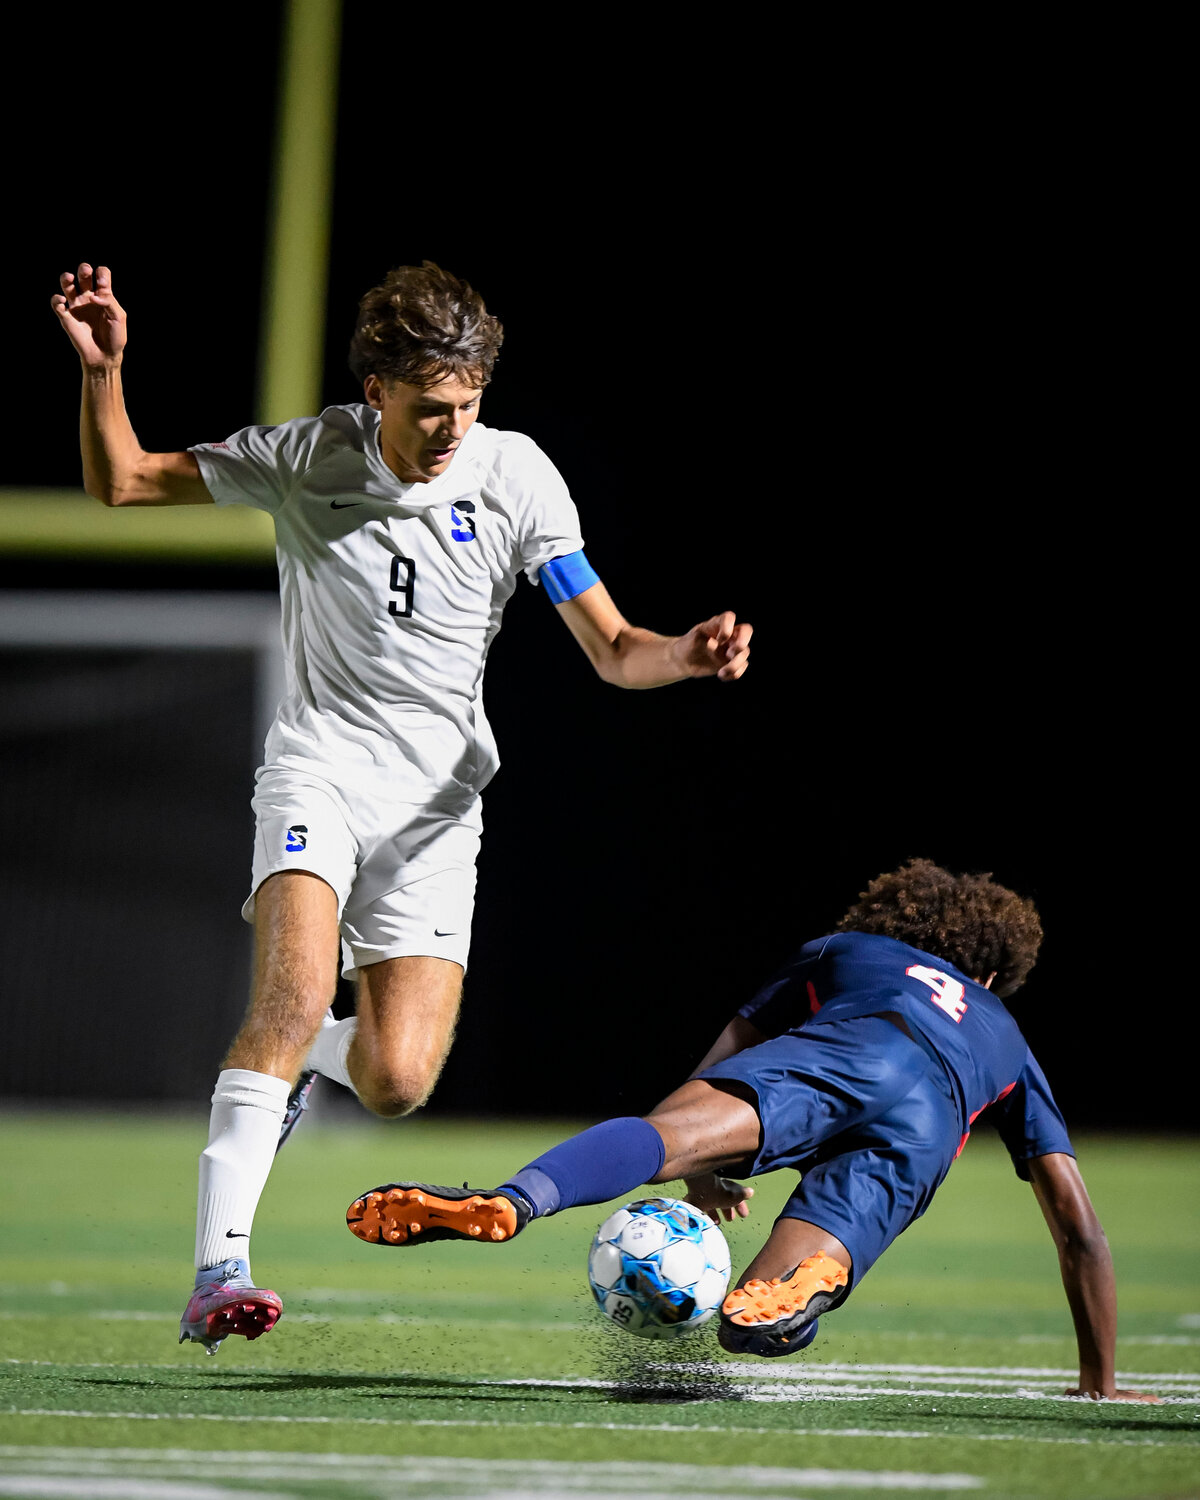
[947,992]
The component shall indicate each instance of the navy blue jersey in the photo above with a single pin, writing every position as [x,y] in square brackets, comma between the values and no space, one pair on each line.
[962,1025]
[1028,1119]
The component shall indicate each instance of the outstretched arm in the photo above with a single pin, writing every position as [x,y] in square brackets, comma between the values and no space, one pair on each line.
[116,469]
[1087,1273]
[628,656]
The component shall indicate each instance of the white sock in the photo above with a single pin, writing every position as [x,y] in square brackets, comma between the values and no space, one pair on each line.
[243,1131]
[327,1055]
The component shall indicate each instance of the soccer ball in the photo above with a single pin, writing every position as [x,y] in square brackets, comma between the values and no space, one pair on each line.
[658,1268]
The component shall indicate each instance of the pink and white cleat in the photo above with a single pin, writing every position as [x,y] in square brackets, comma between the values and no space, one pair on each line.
[225,1301]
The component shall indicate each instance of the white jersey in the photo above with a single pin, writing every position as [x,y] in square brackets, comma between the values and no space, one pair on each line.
[391,593]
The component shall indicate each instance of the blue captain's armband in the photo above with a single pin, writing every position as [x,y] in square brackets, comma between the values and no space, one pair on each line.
[564,577]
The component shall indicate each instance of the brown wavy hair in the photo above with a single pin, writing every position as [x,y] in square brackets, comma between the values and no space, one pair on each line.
[969,920]
[420,325]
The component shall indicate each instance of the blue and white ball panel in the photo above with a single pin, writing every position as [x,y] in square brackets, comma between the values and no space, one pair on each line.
[659,1268]
[642,1237]
[606,1267]
[717,1248]
[613,1225]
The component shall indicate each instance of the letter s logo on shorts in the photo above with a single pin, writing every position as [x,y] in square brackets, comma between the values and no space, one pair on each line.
[297,838]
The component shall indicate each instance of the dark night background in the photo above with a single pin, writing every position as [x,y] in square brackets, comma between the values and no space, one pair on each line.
[823,358]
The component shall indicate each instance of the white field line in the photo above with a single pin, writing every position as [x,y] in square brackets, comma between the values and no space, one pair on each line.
[972,1375]
[97,1289]
[902,1369]
[536,1475]
[1184,1340]
[726,1430]
[129,1364]
[828,1380]
[43,1487]
[47,1487]
[765,1383]
[813,1390]
[578,1486]
[523,1325]
[1159,1338]
[415,1320]
[67,1488]
[358,1294]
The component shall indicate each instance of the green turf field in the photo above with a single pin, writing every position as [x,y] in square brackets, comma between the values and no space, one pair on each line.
[466,1370]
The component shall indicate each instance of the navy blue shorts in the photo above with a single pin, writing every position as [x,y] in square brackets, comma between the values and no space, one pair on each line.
[864,1114]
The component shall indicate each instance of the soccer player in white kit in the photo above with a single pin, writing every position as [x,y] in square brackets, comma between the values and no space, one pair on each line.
[401,527]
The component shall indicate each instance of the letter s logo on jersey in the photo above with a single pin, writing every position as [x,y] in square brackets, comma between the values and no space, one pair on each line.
[947,992]
[464,525]
[297,838]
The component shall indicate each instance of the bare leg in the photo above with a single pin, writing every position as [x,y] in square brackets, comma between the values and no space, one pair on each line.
[295,974]
[706,1127]
[790,1242]
[294,977]
[801,1272]
[407,1009]
[714,1127]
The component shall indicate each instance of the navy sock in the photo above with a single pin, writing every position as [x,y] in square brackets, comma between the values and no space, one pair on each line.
[600,1164]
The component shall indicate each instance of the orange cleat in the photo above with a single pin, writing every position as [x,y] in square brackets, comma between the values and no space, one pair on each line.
[410,1213]
[773,1317]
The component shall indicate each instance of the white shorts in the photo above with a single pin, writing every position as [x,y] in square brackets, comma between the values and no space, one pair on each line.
[404,874]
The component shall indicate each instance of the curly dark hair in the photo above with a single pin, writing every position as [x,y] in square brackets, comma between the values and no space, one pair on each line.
[969,920]
[420,325]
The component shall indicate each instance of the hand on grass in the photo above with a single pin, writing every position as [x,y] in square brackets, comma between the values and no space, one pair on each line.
[1092,1394]
[715,1196]
[91,316]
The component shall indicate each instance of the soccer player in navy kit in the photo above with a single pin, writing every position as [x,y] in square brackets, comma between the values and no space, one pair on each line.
[402,526]
[863,1063]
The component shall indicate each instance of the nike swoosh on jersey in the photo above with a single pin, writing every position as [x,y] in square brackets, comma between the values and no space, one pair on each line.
[436,933]
[343,504]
